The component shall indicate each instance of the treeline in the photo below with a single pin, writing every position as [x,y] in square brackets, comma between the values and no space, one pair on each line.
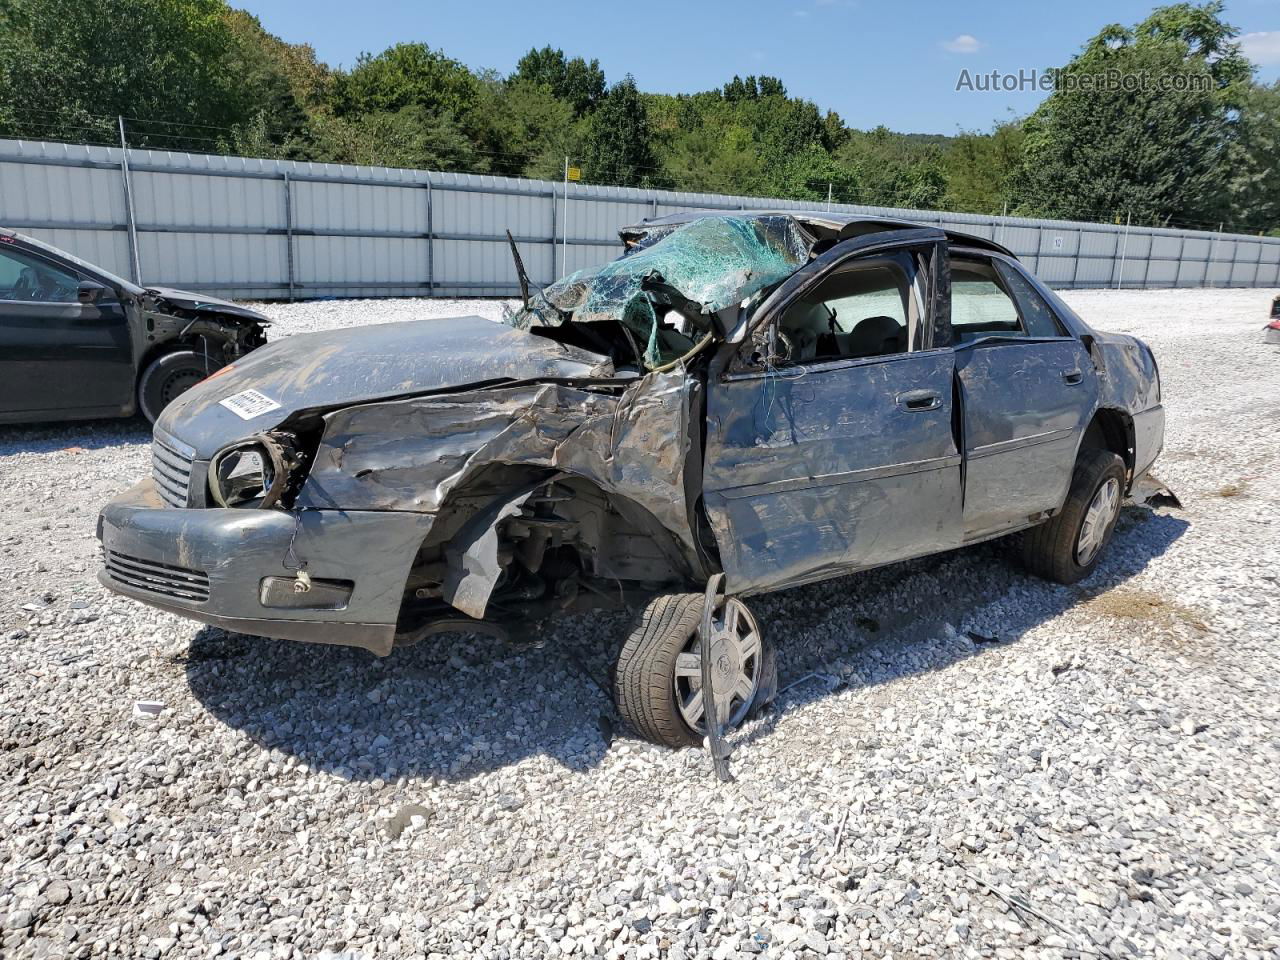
[202,76]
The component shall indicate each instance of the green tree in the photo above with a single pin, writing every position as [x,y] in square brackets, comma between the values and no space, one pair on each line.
[577,82]
[978,168]
[1255,179]
[811,173]
[68,67]
[896,169]
[1158,148]
[279,86]
[412,136]
[527,131]
[618,148]
[408,74]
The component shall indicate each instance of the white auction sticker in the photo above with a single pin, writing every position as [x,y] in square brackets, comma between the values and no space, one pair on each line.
[248,404]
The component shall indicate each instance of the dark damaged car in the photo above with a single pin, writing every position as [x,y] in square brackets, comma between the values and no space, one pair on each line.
[779,398]
[78,342]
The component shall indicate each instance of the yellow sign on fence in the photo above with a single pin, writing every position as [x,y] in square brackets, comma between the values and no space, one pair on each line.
[573,173]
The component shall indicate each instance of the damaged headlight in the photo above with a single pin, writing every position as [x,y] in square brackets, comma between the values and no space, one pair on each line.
[255,472]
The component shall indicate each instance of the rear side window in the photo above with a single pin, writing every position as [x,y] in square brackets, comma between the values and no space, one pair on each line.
[991,299]
[979,305]
[1038,318]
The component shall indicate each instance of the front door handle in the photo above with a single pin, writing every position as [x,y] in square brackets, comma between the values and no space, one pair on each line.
[919,401]
[1072,377]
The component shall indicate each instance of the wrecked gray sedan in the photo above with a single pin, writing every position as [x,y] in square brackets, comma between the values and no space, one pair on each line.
[777,398]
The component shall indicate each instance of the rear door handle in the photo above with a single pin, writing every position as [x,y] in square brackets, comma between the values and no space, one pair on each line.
[919,401]
[1072,377]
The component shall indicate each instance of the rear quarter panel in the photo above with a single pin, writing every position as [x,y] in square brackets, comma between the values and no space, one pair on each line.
[1130,382]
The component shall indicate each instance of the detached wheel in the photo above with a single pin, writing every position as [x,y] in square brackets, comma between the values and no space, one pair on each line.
[168,377]
[1066,548]
[658,681]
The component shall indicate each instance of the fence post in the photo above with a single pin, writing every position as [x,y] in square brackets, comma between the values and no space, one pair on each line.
[1075,259]
[135,262]
[565,239]
[1124,250]
[288,231]
[1209,261]
[431,241]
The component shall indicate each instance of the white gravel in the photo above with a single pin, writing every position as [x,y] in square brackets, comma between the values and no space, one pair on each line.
[1113,758]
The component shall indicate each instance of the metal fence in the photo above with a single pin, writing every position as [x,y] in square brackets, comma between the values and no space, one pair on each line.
[246,227]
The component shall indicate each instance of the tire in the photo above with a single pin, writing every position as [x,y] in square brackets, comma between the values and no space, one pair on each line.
[168,377]
[1052,550]
[646,687]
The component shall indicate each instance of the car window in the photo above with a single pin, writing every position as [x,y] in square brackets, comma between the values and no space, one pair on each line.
[23,277]
[979,305]
[860,310]
[990,298]
[1038,318]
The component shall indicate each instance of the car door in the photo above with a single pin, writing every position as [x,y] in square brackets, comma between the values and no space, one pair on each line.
[58,355]
[1028,389]
[830,444]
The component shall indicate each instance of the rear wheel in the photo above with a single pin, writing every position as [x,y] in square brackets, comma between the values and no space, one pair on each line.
[1066,548]
[658,682]
[168,377]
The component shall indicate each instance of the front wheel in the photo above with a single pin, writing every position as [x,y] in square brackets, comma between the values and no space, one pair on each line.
[1066,548]
[168,377]
[658,681]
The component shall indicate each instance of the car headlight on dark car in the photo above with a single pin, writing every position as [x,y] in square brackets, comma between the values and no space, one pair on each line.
[253,473]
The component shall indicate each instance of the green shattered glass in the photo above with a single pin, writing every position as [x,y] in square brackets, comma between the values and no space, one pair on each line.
[711,263]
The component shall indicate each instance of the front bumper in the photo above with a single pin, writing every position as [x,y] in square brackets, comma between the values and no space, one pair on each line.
[210,565]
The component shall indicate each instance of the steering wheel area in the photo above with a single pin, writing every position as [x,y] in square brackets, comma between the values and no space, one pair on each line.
[42,287]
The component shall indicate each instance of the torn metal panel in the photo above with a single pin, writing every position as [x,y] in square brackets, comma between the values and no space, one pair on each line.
[474,568]
[412,454]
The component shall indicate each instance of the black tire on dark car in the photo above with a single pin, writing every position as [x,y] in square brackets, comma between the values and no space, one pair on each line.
[169,376]
[657,680]
[1053,549]
[643,688]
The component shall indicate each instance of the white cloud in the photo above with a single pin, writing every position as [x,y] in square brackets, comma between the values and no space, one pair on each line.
[800,13]
[965,43]
[1262,47]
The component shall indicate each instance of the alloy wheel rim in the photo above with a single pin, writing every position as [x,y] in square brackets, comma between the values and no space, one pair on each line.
[736,652]
[1097,521]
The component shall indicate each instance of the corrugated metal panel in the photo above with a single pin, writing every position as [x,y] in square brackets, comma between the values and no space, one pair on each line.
[351,260]
[205,260]
[219,222]
[108,249]
[1162,273]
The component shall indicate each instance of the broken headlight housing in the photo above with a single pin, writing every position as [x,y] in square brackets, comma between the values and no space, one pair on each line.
[257,472]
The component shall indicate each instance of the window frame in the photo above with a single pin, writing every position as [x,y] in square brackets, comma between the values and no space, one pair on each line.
[905,274]
[39,259]
[996,261]
[926,284]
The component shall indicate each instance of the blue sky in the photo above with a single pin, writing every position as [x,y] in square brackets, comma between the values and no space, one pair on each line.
[891,63]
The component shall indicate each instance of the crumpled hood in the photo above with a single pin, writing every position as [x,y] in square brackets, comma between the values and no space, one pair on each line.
[200,302]
[337,368]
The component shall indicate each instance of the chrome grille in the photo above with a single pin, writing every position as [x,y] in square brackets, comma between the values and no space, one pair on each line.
[177,582]
[172,472]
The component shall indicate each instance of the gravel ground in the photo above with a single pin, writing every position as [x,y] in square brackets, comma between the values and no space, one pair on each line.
[1107,755]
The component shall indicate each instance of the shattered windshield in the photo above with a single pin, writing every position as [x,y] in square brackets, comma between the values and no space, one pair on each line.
[662,292]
